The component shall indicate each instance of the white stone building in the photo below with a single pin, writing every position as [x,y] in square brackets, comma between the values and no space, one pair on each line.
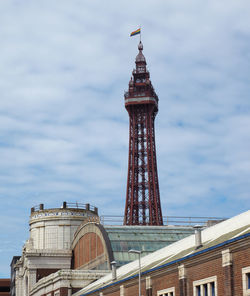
[48,248]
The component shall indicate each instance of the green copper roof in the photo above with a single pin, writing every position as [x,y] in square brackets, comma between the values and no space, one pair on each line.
[146,239]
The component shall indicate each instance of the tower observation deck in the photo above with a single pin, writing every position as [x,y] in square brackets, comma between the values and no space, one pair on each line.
[143,206]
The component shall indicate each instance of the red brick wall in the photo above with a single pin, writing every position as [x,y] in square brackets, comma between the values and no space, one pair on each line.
[213,267]
[116,293]
[4,287]
[197,268]
[242,259]
[87,249]
[133,289]
[168,280]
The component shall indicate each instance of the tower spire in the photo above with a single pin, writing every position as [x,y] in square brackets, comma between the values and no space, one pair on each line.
[143,206]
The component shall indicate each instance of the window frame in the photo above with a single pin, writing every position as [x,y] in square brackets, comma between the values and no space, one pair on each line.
[245,281]
[201,283]
[167,291]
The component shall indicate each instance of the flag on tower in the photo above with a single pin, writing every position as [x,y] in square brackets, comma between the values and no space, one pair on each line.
[138,31]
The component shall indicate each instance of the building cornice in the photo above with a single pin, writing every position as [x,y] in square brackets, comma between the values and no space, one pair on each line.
[67,275]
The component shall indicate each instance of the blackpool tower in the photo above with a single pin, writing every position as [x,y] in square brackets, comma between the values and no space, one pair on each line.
[143,206]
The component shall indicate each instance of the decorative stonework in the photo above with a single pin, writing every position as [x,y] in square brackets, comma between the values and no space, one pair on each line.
[182,272]
[148,282]
[66,279]
[122,290]
[55,228]
[58,213]
[49,246]
[226,258]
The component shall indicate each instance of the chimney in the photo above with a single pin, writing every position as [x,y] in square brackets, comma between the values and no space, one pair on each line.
[197,234]
[113,268]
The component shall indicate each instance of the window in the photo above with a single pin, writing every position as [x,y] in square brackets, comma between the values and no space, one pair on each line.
[205,287]
[246,281]
[167,292]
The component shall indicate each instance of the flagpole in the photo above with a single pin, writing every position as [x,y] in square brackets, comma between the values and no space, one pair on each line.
[140,33]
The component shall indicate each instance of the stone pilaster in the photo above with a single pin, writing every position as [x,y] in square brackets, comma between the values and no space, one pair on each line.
[227,266]
[32,278]
[122,290]
[18,283]
[182,280]
[148,286]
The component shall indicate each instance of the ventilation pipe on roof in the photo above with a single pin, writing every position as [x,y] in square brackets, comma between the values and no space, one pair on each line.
[113,268]
[197,234]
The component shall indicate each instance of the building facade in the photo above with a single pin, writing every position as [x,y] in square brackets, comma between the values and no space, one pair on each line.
[218,266]
[48,248]
[68,248]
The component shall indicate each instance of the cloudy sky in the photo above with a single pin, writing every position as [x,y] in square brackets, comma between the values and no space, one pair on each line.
[64,67]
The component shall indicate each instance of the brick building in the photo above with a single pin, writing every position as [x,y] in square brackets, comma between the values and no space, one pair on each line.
[217,264]
[4,287]
[68,248]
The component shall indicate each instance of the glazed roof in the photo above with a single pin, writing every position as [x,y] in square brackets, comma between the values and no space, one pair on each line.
[145,238]
[215,236]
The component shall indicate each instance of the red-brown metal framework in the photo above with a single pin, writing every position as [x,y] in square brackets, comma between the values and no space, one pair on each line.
[143,206]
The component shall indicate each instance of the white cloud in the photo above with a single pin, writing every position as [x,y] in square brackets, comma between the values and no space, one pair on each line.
[63,125]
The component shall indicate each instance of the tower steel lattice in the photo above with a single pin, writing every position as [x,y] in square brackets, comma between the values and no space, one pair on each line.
[143,206]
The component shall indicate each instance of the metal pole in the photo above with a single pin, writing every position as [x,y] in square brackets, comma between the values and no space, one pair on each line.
[139,254]
[139,274]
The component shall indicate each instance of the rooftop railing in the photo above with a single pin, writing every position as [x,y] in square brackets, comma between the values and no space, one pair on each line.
[68,205]
[168,220]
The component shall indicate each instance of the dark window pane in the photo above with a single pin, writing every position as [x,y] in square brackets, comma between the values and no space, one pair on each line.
[212,289]
[198,291]
[205,289]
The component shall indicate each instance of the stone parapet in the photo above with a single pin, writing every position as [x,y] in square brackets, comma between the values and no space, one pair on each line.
[66,278]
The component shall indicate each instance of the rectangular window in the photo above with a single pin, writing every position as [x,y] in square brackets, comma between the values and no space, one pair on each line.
[205,287]
[246,281]
[166,292]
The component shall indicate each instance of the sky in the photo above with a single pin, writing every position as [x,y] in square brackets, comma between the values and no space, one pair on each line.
[64,67]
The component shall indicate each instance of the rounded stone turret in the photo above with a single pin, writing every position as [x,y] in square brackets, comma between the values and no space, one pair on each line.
[55,228]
